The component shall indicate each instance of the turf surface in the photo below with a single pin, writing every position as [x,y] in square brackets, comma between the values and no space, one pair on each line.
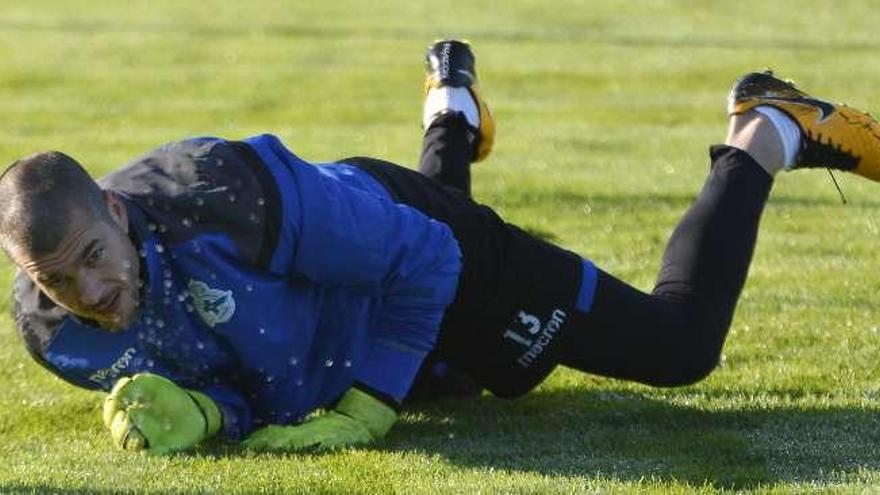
[605,111]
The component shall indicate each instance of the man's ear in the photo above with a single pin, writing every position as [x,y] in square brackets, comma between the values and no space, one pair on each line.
[117,210]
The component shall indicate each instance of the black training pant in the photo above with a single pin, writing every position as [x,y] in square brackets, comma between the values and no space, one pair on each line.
[674,335]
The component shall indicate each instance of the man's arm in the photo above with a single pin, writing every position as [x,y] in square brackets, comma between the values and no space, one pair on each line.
[337,235]
[99,359]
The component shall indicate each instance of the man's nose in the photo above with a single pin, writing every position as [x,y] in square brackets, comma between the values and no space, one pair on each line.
[91,289]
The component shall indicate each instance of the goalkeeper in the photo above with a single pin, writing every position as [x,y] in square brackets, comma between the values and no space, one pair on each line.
[229,288]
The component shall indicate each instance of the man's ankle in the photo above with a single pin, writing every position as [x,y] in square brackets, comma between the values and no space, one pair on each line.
[754,133]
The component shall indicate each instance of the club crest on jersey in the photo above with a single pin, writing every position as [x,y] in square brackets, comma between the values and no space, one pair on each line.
[214,306]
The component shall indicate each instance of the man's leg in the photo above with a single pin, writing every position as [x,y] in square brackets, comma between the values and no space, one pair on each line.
[459,129]
[458,126]
[446,151]
[674,335]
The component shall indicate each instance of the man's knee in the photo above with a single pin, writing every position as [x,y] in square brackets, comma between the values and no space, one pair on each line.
[688,374]
[687,364]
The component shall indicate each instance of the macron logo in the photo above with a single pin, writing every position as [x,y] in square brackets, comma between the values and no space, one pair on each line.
[533,335]
[103,375]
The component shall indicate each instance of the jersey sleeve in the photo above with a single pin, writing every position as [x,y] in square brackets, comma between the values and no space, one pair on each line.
[97,362]
[338,235]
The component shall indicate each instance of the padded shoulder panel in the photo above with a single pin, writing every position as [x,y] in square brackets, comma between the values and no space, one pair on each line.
[205,185]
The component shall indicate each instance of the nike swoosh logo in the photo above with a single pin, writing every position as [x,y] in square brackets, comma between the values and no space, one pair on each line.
[825,108]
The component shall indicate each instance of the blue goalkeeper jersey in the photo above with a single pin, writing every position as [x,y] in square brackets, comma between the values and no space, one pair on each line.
[270,284]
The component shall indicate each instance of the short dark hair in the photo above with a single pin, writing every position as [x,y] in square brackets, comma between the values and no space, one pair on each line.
[38,196]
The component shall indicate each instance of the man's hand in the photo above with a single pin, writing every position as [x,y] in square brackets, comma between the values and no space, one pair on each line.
[358,418]
[150,412]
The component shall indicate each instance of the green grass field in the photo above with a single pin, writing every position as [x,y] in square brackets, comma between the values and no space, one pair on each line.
[605,112]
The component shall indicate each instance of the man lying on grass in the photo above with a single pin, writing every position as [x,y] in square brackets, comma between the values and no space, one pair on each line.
[229,287]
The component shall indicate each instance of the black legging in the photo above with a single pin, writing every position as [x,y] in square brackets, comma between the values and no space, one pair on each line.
[674,335]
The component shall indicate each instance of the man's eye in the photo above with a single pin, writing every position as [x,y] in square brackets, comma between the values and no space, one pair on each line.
[95,256]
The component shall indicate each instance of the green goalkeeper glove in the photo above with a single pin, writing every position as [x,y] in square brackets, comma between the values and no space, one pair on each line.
[149,412]
[358,418]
